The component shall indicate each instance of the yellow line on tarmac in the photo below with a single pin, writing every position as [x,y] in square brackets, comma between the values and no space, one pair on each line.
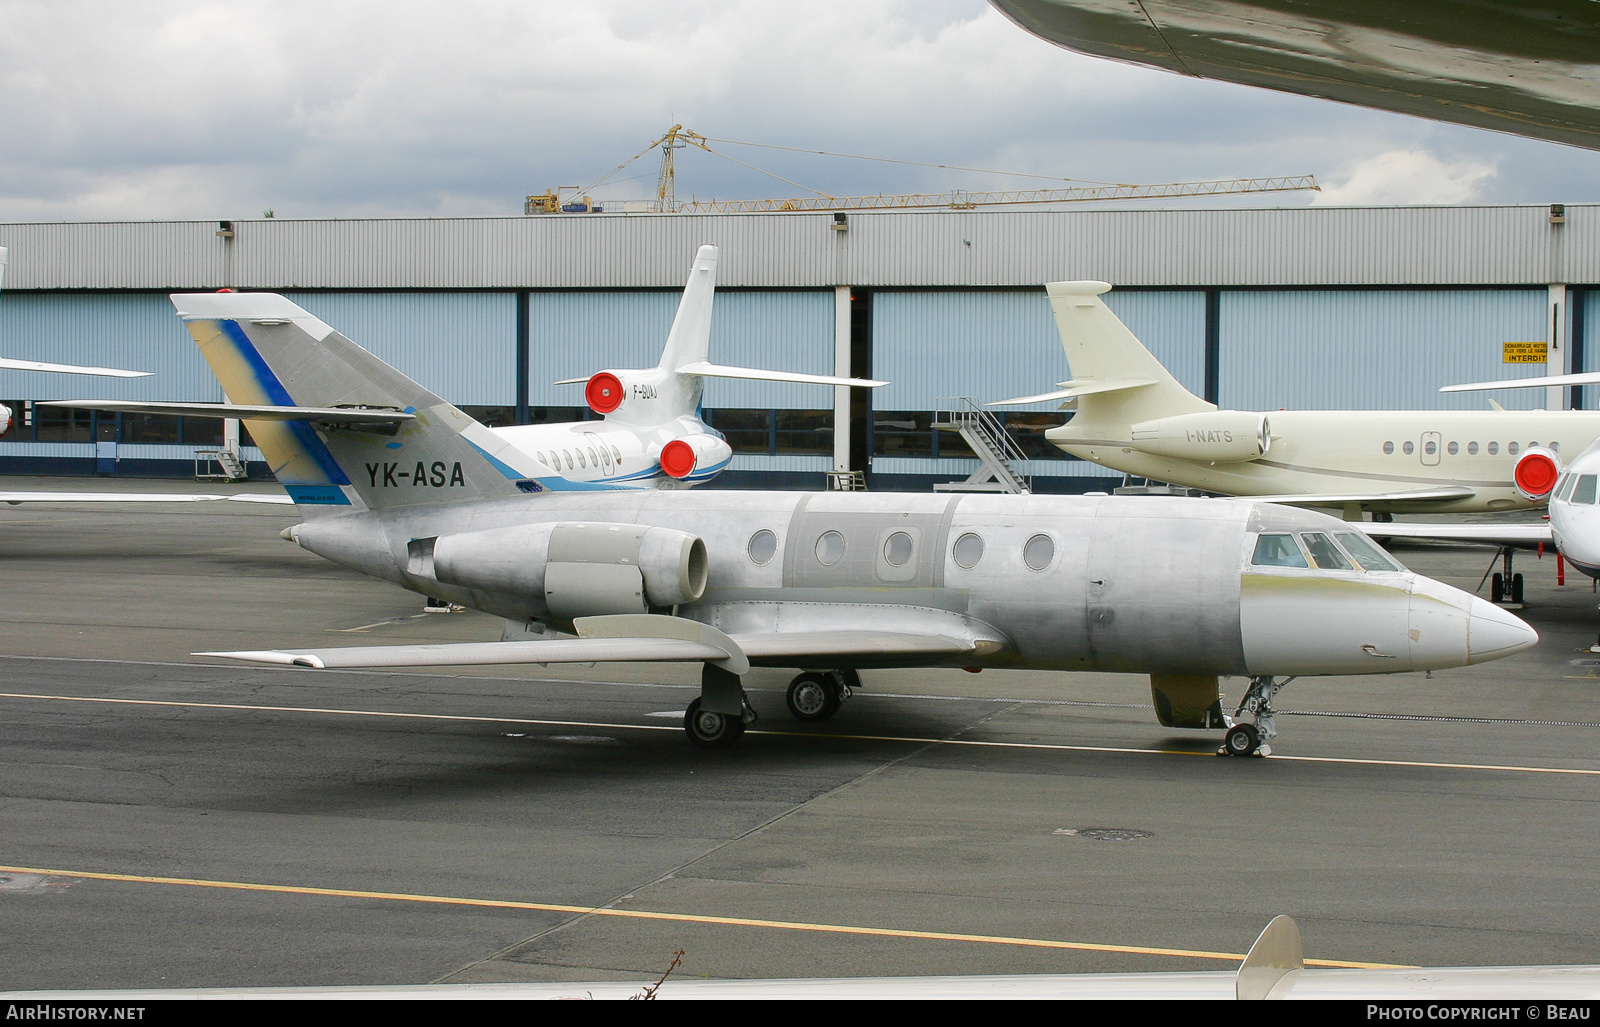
[905,739]
[689,918]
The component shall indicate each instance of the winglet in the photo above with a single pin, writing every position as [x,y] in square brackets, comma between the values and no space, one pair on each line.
[1275,955]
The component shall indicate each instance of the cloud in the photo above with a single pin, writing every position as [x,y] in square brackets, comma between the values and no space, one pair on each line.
[1407,176]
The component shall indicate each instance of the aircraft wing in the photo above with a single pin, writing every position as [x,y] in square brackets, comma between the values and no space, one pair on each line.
[1582,378]
[1076,388]
[628,638]
[1440,494]
[18,498]
[755,374]
[9,364]
[245,412]
[1502,534]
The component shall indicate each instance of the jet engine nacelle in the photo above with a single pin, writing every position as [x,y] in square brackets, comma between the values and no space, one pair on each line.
[1536,472]
[5,418]
[605,392]
[572,569]
[683,456]
[1216,436]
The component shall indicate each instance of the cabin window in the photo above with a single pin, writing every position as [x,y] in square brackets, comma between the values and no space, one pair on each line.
[1584,493]
[1039,551]
[617,453]
[1511,449]
[568,453]
[830,548]
[1472,449]
[968,550]
[1494,447]
[1324,552]
[1430,448]
[1408,448]
[1453,448]
[763,545]
[1555,447]
[1388,449]
[897,549]
[1278,551]
[1366,552]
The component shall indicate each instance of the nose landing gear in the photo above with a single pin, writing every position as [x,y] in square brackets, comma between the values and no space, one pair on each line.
[1252,724]
[816,695]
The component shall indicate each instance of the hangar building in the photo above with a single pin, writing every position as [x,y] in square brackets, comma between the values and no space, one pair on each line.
[1313,307]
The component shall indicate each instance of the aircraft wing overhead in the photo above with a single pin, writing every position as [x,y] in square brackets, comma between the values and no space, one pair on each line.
[1503,534]
[243,411]
[755,374]
[1582,378]
[774,648]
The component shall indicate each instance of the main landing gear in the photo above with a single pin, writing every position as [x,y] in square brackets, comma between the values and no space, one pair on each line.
[817,695]
[718,718]
[1252,726]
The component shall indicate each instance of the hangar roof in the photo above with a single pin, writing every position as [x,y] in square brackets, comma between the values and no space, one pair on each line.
[1304,246]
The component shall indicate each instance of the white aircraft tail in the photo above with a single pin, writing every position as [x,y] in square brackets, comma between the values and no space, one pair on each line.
[2,264]
[1114,378]
[399,445]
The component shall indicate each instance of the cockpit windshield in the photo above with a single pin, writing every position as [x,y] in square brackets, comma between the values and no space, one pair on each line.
[1317,550]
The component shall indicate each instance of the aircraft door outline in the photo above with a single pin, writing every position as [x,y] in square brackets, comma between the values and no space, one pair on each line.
[1432,446]
[607,462]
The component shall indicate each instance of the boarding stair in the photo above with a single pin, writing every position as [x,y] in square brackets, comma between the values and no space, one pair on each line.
[219,465]
[985,434]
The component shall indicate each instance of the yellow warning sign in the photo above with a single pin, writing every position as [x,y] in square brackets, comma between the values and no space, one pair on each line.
[1523,353]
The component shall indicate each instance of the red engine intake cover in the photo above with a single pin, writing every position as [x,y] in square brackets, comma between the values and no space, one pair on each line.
[604,392]
[677,458]
[1536,474]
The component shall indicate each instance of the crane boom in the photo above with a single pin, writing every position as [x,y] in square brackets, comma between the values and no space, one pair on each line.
[967,200]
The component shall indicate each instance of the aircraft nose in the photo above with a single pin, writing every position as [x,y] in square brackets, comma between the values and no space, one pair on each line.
[1493,633]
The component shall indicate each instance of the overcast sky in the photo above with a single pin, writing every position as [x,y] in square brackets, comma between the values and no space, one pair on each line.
[153,109]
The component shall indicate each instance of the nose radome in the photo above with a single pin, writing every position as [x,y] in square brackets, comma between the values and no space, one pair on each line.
[1493,633]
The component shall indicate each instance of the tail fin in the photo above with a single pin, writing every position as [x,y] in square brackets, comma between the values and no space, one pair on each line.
[266,350]
[1100,348]
[2,263]
[689,341]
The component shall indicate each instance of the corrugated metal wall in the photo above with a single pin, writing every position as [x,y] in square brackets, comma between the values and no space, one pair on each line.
[996,345]
[1294,246]
[138,332]
[462,346]
[574,334]
[1374,350]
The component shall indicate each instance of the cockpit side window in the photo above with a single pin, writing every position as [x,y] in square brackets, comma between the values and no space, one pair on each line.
[1584,493]
[1278,551]
[1324,552]
[1564,486]
[1367,553]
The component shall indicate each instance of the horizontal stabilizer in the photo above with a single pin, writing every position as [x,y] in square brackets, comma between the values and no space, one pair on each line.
[768,648]
[1076,388]
[1500,534]
[1585,378]
[8,364]
[17,498]
[245,412]
[755,374]
[1441,494]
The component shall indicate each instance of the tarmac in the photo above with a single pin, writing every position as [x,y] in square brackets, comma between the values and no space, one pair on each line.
[168,821]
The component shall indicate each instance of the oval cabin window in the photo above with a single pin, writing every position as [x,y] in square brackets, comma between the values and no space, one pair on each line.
[968,551]
[1039,551]
[830,548]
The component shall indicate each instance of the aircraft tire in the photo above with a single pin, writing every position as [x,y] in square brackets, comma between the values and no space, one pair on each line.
[812,697]
[1516,588]
[1497,588]
[707,730]
[1241,740]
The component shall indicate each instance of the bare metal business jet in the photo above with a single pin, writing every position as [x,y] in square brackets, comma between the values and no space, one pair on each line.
[1133,416]
[398,484]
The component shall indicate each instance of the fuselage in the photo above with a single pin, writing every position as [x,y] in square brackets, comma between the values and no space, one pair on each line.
[1322,452]
[612,453]
[1575,513]
[1144,584]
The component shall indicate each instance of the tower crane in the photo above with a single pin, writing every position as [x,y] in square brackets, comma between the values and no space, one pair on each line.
[678,137]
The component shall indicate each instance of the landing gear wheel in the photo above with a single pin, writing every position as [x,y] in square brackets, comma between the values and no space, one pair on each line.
[1516,588]
[1241,740]
[813,697]
[709,730]
[1497,588]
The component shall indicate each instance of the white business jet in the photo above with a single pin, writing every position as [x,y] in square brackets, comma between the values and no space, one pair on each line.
[651,435]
